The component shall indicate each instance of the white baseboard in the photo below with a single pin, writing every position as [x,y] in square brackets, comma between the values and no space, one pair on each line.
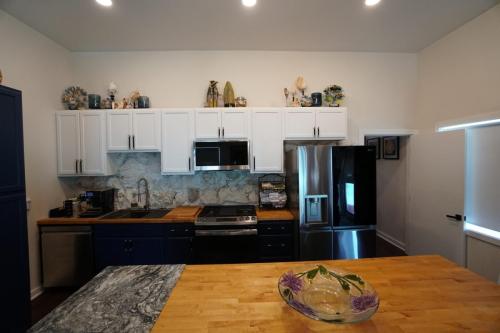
[35,292]
[392,240]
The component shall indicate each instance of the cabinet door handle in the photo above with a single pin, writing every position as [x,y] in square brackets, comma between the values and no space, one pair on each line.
[318,131]
[81,166]
[219,132]
[129,146]
[456,217]
[254,163]
[76,166]
[223,132]
[314,129]
[189,163]
[131,245]
[133,141]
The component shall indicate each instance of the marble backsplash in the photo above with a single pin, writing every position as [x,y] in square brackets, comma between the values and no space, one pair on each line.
[203,188]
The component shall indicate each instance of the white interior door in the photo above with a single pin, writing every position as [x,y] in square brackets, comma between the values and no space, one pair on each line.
[119,130]
[267,141]
[177,142]
[331,123]
[93,153]
[68,142]
[436,189]
[300,123]
[146,130]
[235,123]
[208,124]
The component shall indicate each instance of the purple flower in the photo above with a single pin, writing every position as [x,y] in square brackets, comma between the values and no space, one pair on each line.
[363,302]
[302,308]
[291,281]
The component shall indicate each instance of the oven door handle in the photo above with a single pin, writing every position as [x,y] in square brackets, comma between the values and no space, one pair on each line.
[226,232]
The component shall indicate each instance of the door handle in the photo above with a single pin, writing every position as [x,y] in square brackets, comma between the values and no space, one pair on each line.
[456,217]
[189,163]
[254,162]
[133,141]
[314,128]
[223,132]
[318,131]
[76,166]
[219,132]
[129,146]
[81,166]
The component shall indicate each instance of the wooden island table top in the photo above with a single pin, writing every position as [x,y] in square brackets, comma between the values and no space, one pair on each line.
[421,294]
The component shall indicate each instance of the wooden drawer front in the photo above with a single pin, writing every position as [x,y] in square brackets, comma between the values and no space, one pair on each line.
[129,230]
[180,230]
[275,246]
[275,228]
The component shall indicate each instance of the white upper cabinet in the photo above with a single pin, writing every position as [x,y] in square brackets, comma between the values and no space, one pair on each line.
[68,143]
[81,149]
[138,130]
[331,123]
[146,130]
[228,123]
[119,130]
[208,124]
[177,142]
[316,123]
[300,123]
[234,123]
[267,140]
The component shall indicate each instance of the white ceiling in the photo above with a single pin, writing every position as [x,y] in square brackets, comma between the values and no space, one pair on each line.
[310,25]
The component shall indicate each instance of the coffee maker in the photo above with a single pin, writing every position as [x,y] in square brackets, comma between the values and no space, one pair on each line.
[98,202]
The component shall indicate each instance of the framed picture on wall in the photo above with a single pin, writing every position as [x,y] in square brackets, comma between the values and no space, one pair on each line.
[390,147]
[373,141]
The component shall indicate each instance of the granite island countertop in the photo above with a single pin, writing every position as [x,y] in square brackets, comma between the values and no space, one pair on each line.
[119,299]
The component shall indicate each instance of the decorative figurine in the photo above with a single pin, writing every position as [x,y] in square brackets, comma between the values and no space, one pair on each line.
[287,93]
[112,90]
[229,96]
[300,83]
[213,95]
[133,98]
[241,102]
[333,95]
[74,98]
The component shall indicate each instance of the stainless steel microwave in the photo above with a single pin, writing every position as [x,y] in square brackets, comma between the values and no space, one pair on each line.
[221,155]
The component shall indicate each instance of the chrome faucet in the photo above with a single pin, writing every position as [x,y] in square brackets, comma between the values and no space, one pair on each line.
[146,192]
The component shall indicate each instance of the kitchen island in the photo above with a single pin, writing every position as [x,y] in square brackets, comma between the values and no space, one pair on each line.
[119,299]
[417,294]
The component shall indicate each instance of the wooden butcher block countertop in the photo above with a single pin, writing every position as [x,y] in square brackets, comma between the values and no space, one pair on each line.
[420,294]
[176,215]
[274,215]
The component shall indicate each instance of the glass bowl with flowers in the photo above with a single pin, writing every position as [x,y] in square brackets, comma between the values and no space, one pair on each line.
[330,295]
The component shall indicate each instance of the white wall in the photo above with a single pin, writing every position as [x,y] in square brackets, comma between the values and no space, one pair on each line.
[41,69]
[458,76]
[380,87]
[392,192]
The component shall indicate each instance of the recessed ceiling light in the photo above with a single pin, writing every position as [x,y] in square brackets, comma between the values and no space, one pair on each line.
[105,3]
[249,3]
[371,2]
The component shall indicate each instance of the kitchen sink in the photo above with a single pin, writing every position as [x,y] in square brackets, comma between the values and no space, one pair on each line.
[137,214]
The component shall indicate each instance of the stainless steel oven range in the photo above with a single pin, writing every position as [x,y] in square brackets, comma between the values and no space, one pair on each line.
[226,234]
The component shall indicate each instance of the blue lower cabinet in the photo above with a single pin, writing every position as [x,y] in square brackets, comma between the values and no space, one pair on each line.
[131,244]
[179,243]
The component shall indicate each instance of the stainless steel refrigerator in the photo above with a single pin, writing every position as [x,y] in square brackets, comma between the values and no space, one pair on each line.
[332,192]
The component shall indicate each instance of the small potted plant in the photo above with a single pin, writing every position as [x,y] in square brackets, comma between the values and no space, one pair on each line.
[333,95]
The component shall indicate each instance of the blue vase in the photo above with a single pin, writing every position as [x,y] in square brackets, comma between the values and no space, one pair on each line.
[94,101]
[143,102]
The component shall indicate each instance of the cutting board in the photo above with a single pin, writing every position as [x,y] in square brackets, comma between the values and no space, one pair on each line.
[183,213]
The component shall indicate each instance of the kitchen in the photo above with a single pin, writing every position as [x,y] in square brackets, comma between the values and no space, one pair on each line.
[395,90]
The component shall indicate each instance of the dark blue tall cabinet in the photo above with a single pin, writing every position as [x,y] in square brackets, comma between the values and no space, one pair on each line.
[14,277]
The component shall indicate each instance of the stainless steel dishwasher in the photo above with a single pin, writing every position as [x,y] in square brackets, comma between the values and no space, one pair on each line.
[67,255]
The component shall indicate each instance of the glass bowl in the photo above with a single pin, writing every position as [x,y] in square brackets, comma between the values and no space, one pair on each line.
[330,295]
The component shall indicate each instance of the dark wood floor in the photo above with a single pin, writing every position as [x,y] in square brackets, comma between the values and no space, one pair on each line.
[51,298]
